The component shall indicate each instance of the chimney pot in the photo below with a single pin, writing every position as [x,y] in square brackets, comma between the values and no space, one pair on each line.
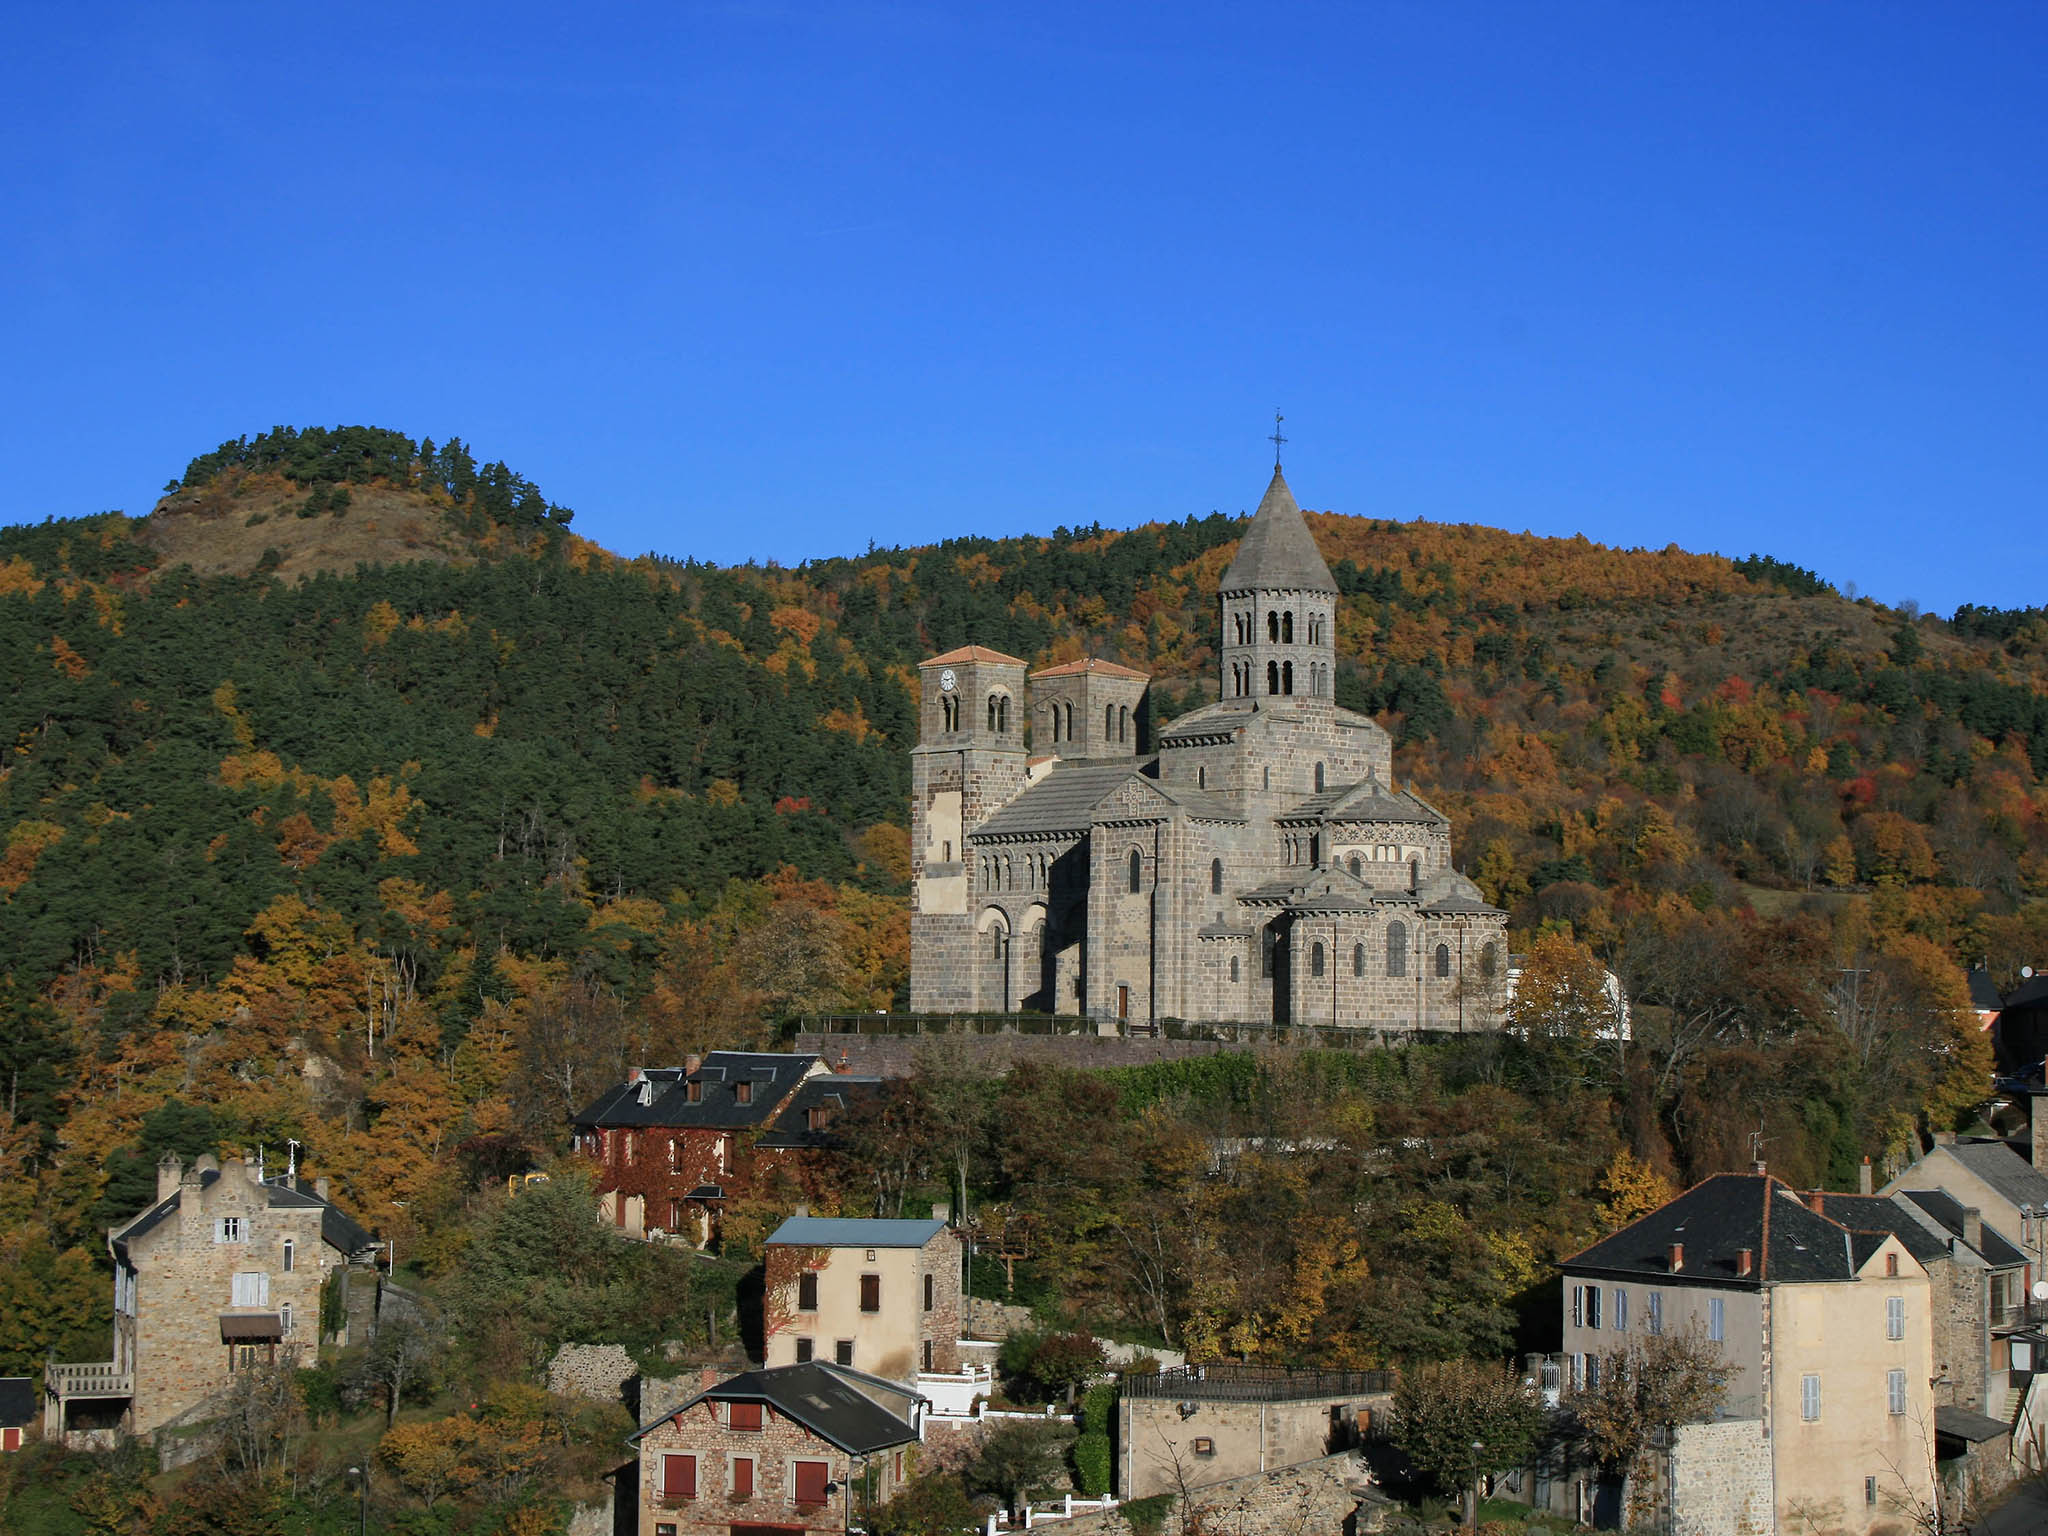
[320,1187]
[1677,1257]
[1745,1261]
[170,1172]
[1973,1227]
[1864,1184]
[1944,1138]
[942,1210]
[1758,1168]
[692,1063]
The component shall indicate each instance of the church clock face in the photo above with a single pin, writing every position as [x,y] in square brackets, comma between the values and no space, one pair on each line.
[947,681]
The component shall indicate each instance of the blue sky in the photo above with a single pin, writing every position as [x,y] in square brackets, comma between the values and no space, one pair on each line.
[773,281]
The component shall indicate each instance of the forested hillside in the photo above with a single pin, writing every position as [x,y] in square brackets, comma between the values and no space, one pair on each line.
[401,861]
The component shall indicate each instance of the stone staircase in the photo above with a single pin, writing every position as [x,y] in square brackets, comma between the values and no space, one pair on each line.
[2005,1408]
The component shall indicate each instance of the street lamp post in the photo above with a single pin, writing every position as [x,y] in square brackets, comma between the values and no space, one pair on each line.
[1472,1518]
[362,1476]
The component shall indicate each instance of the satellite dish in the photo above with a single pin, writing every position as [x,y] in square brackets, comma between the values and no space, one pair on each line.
[2026,973]
[2041,1290]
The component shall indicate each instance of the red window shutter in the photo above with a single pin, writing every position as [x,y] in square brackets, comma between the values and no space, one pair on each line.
[746,1416]
[871,1293]
[12,1439]
[810,1481]
[742,1476]
[807,1291]
[679,1476]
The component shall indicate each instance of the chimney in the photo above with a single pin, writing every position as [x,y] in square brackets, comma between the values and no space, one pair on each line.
[1677,1257]
[1758,1168]
[707,1378]
[2037,1145]
[1973,1227]
[1817,1201]
[1864,1184]
[691,1064]
[942,1210]
[1745,1261]
[1944,1138]
[170,1172]
[845,1063]
[802,1210]
[320,1187]
[634,1074]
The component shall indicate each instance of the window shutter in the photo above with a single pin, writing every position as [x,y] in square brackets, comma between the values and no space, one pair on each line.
[1717,1318]
[1809,1398]
[807,1291]
[679,1476]
[742,1476]
[1895,1391]
[1895,1317]
[871,1293]
[811,1477]
[1620,1310]
[1578,1306]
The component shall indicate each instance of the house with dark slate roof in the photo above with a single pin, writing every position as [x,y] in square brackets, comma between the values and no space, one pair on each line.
[1259,864]
[222,1272]
[1827,1326]
[671,1146]
[785,1449]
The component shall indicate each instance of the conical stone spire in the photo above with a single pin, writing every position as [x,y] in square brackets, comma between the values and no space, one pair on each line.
[1278,553]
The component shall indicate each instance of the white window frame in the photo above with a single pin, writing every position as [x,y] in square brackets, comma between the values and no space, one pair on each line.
[1895,1393]
[1895,1317]
[1655,1309]
[1620,1310]
[1717,1319]
[1593,1307]
[1809,1397]
[1578,1306]
[284,1320]
[230,1229]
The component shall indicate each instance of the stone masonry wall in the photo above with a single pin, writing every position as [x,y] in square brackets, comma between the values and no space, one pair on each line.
[596,1371]
[1315,1497]
[1159,1447]
[1722,1480]
[774,1449]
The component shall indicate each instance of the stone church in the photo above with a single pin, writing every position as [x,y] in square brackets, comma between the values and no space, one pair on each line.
[1261,867]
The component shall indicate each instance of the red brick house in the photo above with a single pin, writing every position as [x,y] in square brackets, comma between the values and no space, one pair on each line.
[776,1452]
[671,1145]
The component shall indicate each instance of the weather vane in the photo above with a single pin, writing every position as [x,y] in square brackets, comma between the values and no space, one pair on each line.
[1276,439]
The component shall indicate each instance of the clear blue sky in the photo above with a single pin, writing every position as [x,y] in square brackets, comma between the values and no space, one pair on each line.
[772,281]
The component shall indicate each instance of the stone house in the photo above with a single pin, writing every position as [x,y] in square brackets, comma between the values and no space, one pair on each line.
[881,1296]
[1830,1418]
[17,1410]
[1191,1426]
[671,1146]
[781,1450]
[222,1272]
[1261,865]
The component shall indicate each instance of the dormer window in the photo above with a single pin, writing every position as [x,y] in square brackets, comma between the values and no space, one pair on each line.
[230,1229]
[646,1091]
[743,1093]
[816,1116]
[696,1092]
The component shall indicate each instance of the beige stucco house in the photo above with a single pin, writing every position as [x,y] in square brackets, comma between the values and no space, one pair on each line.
[880,1296]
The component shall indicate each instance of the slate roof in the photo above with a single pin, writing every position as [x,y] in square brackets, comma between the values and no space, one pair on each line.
[338,1229]
[855,1232]
[1064,800]
[2030,993]
[1277,551]
[2010,1176]
[1948,1210]
[1983,995]
[1715,1220]
[18,1404]
[666,1093]
[1967,1424]
[823,1398]
[1367,800]
[833,1091]
[1882,1213]
[973,653]
[1093,664]
[1449,891]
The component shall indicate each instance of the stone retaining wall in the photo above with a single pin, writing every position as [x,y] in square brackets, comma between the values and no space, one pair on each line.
[1313,1497]
[992,1055]
[596,1371]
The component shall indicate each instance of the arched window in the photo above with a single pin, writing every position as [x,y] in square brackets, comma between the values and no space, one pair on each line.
[1215,877]
[1201,778]
[1108,722]
[1443,960]
[1356,871]
[1397,949]
[949,710]
[1233,967]
[1489,960]
[1319,778]
[991,711]
[1287,628]
[1272,677]
[1315,959]
[1123,724]
[1055,725]
[1003,713]
[1358,959]
[1287,677]
[1137,872]
[1267,777]
[1273,627]
[1315,848]
[1070,722]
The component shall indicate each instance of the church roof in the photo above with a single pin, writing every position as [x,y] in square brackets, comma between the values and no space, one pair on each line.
[1367,800]
[1277,551]
[1063,801]
[1449,891]
[1093,664]
[973,653]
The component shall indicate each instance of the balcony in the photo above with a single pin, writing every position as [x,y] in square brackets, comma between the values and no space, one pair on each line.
[99,1380]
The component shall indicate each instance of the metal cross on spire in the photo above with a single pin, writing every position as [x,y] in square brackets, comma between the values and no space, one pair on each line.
[1277,440]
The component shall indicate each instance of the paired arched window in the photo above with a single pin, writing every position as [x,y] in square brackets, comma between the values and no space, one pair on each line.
[1273,628]
[949,710]
[1287,677]
[1357,871]
[1287,628]
[1272,677]
[1358,959]
[1315,959]
[1215,877]
[1397,949]
[1123,723]
[1137,872]
[1443,960]
[999,712]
